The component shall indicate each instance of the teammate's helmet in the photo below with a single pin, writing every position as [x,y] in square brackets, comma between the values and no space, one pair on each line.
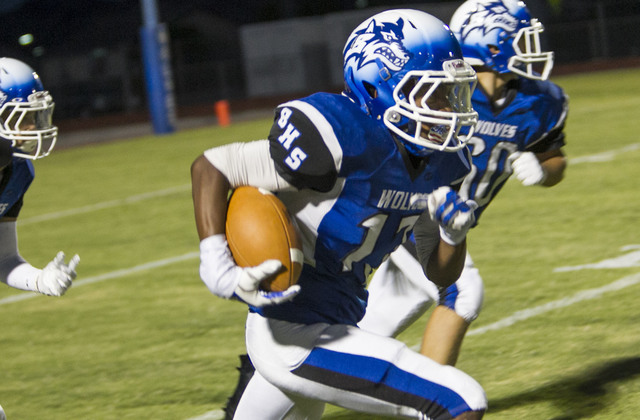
[26,110]
[405,67]
[502,35]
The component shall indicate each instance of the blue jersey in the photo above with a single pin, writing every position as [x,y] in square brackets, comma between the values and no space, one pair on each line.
[359,196]
[16,179]
[531,119]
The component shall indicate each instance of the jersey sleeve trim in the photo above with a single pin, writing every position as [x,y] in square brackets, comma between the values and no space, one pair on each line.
[304,147]
[324,127]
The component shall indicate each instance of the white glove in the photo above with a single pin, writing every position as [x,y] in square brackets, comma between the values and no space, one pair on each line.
[248,287]
[226,279]
[56,277]
[455,215]
[526,167]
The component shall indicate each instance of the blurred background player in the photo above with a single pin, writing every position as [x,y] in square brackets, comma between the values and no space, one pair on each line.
[357,171]
[520,132]
[26,134]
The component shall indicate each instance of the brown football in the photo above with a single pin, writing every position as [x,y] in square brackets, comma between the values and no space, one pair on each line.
[259,228]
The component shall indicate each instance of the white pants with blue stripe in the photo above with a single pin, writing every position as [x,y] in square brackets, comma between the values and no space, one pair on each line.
[300,367]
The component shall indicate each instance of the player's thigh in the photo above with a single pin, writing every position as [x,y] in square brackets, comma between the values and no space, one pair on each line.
[358,370]
[262,400]
[399,294]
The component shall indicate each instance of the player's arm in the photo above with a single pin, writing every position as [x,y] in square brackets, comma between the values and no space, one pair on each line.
[441,234]
[213,175]
[441,262]
[544,163]
[545,168]
[553,164]
[210,189]
[53,280]
[446,263]
[218,170]
[294,157]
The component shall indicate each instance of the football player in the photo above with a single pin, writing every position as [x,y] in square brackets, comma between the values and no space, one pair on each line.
[519,131]
[26,134]
[357,171]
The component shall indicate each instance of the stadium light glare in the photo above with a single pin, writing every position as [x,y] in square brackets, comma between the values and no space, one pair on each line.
[25,39]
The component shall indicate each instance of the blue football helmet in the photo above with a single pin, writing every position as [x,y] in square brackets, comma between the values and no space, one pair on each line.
[502,35]
[405,67]
[26,111]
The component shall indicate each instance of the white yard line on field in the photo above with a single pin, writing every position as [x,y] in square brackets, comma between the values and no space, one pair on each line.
[581,296]
[604,156]
[111,275]
[104,205]
[210,415]
[630,259]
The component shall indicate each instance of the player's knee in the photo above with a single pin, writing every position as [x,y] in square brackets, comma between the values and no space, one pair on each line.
[471,392]
[465,296]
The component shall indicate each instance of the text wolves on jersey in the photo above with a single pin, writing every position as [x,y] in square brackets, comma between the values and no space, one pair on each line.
[402,200]
[491,128]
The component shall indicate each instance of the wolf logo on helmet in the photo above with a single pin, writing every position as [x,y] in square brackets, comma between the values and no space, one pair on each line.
[494,16]
[502,35]
[379,42]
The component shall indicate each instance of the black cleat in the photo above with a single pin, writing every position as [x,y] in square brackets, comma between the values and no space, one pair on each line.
[246,370]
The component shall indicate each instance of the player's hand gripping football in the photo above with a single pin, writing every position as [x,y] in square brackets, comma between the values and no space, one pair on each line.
[249,291]
[56,277]
[526,167]
[225,278]
[455,215]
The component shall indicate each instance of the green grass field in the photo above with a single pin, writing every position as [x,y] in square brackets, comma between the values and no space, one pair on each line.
[139,336]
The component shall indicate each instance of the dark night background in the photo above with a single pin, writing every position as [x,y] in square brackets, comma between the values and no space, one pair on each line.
[62,25]
[87,50]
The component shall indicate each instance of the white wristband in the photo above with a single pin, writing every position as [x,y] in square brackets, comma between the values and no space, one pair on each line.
[218,270]
[24,277]
[452,237]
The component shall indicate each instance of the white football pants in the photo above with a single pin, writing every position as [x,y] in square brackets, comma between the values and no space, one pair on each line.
[300,367]
[400,293]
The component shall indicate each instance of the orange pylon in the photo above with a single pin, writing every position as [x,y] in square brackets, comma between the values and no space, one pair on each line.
[222,112]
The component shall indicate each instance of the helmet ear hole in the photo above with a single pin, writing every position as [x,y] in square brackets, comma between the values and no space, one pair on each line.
[371,90]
